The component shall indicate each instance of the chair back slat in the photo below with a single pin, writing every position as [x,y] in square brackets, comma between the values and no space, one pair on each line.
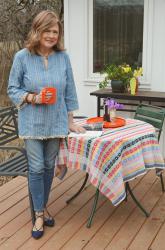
[151,114]
[155,123]
[157,114]
[8,125]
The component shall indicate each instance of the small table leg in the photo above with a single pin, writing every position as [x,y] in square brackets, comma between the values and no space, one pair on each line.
[98,106]
[162,183]
[93,208]
[135,200]
[159,174]
[79,191]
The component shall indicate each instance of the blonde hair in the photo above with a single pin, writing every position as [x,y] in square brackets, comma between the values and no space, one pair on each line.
[43,21]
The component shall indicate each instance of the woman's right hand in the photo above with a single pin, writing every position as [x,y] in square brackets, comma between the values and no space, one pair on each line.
[37,98]
[76,128]
[34,98]
[29,98]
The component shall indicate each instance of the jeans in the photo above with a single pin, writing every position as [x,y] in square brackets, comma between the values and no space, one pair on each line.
[41,156]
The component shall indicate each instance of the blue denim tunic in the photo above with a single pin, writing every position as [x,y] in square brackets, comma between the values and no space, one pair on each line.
[29,74]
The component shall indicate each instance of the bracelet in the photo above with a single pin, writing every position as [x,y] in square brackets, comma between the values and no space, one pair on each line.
[33,99]
[26,98]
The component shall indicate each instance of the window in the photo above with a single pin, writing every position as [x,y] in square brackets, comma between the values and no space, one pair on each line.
[117,32]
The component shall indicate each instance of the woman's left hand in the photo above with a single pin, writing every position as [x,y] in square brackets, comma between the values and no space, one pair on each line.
[76,128]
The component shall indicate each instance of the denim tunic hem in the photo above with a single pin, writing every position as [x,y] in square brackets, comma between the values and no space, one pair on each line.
[42,137]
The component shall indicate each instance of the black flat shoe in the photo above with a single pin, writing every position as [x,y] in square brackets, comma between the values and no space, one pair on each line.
[48,221]
[38,233]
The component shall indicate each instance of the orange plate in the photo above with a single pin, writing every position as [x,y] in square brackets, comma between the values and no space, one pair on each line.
[119,122]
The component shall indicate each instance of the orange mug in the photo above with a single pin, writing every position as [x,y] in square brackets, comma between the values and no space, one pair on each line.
[53,97]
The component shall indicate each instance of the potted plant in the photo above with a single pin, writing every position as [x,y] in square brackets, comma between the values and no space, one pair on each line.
[121,76]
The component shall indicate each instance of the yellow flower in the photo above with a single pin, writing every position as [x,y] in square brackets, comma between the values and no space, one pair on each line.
[126,68]
[138,72]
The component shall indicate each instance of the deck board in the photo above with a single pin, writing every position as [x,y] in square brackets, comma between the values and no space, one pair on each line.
[85,235]
[135,221]
[120,216]
[116,228]
[150,228]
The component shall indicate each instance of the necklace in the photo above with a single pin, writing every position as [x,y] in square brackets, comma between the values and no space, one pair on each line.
[45,56]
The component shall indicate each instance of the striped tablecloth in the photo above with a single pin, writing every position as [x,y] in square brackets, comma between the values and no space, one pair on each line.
[119,155]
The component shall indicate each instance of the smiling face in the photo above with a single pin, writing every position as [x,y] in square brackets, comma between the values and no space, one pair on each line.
[45,34]
[49,38]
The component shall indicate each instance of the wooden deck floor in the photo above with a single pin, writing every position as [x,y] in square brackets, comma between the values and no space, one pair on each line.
[114,228]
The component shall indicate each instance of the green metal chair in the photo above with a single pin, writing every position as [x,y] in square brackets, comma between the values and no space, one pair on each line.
[155,116]
[16,163]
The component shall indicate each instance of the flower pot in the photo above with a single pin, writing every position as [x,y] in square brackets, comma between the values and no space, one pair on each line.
[117,86]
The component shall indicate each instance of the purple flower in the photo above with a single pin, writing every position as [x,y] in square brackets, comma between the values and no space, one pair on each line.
[112,104]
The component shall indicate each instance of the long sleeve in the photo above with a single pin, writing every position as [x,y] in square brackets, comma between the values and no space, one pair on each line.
[16,91]
[70,92]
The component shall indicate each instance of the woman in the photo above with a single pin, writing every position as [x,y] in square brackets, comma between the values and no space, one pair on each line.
[43,63]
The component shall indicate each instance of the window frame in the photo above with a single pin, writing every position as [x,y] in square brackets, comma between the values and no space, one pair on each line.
[94,78]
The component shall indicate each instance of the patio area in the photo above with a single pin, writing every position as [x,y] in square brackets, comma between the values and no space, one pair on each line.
[115,228]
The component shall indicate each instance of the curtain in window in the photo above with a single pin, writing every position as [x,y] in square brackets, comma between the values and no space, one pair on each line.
[117,32]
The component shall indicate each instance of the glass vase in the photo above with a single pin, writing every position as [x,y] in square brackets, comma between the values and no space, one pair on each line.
[106,114]
[112,114]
